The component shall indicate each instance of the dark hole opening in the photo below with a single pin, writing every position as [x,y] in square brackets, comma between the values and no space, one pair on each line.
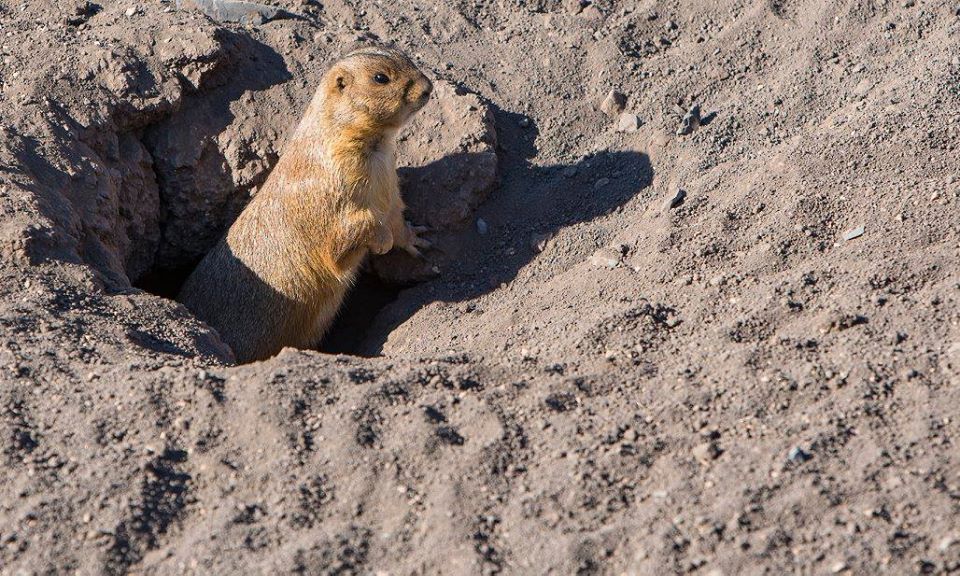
[165,283]
[349,331]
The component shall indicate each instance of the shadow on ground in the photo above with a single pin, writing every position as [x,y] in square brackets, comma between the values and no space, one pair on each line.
[532,202]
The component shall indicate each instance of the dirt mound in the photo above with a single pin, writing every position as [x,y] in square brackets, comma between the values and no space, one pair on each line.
[710,326]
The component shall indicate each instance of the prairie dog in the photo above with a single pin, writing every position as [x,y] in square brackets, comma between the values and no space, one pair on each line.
[281,272]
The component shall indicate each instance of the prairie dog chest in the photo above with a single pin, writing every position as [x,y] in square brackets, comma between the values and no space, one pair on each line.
[382,168]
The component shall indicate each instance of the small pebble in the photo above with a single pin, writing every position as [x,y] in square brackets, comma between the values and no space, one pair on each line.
[605,258]
[538,242]
[629,123]
[690,121]
[613,104]
[674,200]
[482,226]
[573,6]
[798,454]
[946,543]
[706,452]
[854,233]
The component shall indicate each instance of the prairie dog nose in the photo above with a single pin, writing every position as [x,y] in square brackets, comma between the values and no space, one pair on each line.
[421,89]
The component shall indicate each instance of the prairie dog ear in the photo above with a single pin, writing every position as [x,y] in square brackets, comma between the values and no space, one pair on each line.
[337,80]
[343,79]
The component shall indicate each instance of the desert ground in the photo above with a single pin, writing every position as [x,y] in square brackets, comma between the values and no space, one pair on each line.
[692,305]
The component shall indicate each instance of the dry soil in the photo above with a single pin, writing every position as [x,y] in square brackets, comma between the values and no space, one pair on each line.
[591,373]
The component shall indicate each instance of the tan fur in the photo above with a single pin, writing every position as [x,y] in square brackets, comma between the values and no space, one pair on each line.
[281,272]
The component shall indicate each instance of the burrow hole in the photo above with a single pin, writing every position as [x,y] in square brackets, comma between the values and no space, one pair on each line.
[352,327]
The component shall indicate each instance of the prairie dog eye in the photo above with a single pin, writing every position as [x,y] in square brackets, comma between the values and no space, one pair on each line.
[381,78]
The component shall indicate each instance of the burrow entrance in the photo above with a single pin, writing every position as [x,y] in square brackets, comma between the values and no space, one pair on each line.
[206,170]
[353,327]
[169,199]
[146,181]
[154,189]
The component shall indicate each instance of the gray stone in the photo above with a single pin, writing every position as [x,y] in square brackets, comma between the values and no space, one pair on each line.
[690,121]
[606,258]
[538,242]
[674,200]
[250,13]
[853,233]
[707,451]
[798,454]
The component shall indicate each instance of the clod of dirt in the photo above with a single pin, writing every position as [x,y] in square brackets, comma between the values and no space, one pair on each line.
[707,452]
[79,11]
[592,14]
[613,104]
[575,6]
[606,258]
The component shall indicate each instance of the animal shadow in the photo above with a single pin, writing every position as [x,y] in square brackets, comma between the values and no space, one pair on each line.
[532,204]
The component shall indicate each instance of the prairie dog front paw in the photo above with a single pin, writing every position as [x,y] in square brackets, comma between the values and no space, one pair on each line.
[412,241]
[382,241]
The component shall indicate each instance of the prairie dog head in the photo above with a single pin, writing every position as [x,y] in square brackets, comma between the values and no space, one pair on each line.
[374,89]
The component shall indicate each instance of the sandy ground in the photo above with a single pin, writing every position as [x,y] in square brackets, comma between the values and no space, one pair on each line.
[592,373]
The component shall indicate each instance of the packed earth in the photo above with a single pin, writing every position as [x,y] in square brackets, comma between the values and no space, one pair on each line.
[692,305]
